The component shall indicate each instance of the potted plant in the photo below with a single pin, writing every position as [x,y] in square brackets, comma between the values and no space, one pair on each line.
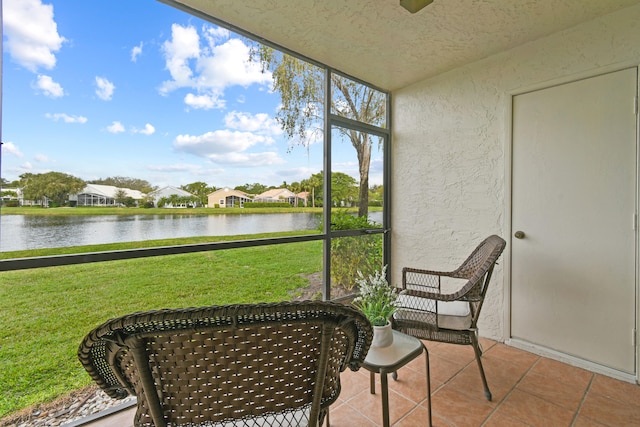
[377,300]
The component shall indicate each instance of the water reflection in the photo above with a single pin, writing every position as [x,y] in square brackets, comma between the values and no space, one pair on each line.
[20,232]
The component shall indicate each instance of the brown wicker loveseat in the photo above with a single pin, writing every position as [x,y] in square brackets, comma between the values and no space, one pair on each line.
[249,364]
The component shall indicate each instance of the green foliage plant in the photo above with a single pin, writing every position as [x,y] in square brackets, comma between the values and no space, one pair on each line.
[350,254]
[267,205]
[376,298]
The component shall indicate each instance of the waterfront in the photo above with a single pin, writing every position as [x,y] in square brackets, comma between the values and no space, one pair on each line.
[24,232]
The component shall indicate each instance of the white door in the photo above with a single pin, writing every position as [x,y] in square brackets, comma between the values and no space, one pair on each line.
[574,198]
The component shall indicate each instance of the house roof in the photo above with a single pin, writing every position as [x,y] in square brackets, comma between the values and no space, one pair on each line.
[275,193]
[226,192]
[383,44]
[168,191]
[110,191]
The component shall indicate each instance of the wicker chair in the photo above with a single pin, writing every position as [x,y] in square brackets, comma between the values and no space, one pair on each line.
[435,308]
[247,365]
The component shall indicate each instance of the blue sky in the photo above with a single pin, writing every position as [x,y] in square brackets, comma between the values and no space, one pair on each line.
[139,89]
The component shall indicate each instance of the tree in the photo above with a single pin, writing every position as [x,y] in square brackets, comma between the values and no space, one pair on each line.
[343,189]
[52,186]
[315,181]
[300,85]
[254,188]
[125,182]
[120,197]
[199,189]
[295,188]
[376,195]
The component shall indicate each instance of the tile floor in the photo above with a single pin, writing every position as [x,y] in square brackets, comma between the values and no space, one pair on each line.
[528,390]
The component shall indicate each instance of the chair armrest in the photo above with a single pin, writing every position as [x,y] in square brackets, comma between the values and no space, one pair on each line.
[428,284]
[429,295]
[420,271]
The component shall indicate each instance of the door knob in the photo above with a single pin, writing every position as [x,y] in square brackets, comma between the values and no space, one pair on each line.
[519,235]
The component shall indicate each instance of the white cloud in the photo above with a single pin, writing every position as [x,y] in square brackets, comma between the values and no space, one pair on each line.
[136,51]
[104,89]
[205,102]
[220,142]
[10,148]
[215,34]
[183,46]
[41,158]
[259,123]
[148,130]
[26,166]
[208,69]
[267,158]
[66,118]
[49,87]
[31,33]
[228,64]
[116,127]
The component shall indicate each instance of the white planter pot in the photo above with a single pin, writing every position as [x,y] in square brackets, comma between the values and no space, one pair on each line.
[382,336]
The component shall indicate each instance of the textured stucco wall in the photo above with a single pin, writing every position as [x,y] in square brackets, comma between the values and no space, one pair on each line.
[450,139]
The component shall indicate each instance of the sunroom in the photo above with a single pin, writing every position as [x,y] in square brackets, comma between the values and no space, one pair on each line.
[476,91]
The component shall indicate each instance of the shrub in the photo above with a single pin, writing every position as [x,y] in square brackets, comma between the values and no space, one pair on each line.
[267,205]
[352,254]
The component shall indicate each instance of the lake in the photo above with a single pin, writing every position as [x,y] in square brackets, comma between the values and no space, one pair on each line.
[20,232]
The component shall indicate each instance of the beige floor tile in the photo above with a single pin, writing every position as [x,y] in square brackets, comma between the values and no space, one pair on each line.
[469,382]
[347,416]
[499,419]
[586,422]
[534,411]
[562,394]
[562,372]
[459,408]
[370,405]
[610,412]
[458,354]
[618,390]
[443,370]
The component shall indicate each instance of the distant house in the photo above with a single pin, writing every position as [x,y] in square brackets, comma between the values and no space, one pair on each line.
[167,193]
[228,198]
[304,197]
[11,195]
[281,195]
[103,195]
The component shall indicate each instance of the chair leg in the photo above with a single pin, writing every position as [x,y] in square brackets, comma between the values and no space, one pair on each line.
[476,349]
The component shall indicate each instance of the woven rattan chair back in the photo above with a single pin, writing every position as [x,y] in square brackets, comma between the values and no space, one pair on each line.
[430,311]
[248,365]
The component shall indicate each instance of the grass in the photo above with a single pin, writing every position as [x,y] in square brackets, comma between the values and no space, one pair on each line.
[45,313]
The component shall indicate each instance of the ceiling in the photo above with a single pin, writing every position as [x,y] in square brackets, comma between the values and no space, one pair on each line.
[380,42]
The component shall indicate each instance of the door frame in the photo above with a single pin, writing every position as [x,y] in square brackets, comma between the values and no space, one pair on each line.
[509,230]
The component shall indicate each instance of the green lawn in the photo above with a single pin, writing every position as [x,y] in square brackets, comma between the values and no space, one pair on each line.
[45,313]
